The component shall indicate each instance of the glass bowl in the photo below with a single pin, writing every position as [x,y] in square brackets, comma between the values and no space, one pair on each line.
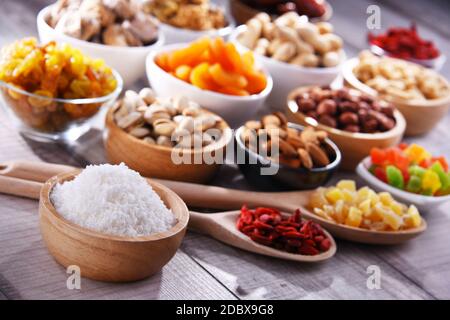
[49,119]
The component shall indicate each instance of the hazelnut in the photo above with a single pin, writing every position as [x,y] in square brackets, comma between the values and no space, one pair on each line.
[312,114]
[370,126]
[351,128]
[348,106]
[306,104]
[347,118]
[328,121]
[327,106]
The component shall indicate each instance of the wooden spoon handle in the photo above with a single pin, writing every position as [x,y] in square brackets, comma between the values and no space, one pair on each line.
[20,187]
[204,196]
[33,170]
[195,195]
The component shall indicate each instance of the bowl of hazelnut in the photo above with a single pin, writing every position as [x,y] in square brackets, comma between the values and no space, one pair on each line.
[119,32]
[295,51]
[168,138]
[422,95]
[275,154]
[355,121]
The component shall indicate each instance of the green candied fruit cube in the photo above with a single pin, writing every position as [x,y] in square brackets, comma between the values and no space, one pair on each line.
[427,192]
[414,184]
[416,170]
[395,177]
[443,176]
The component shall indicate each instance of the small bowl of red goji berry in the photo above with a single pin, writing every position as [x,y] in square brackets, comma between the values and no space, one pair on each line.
[405,43]
[410,173]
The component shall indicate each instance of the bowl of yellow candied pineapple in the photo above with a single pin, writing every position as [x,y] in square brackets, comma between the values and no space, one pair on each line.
[52,91]
[363,215]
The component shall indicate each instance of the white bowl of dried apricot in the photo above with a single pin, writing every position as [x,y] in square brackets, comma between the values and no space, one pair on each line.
[214,74]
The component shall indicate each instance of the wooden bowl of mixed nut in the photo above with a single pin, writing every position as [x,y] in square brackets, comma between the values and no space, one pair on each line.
[166,138]
[272,153]
[355,121]
[420,94]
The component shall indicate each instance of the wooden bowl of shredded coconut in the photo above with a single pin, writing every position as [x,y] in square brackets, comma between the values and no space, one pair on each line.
[111,222]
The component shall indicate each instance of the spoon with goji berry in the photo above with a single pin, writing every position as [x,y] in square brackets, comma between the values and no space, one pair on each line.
[269,232]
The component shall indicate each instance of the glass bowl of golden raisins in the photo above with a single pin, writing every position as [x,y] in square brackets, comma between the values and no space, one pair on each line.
[53,91]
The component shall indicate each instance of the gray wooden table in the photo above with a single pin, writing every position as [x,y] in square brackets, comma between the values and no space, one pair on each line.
[204,268]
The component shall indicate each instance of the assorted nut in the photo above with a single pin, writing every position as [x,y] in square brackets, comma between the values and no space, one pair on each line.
[273,137]
[346,109]
[111,22]
[172,122]
[291,38]
[187,14]
[400,79]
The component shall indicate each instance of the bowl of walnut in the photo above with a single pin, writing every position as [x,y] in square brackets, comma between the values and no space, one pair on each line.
[117,31]
[188,20]
[422,95]
[295,51]
[168,138]
[355,121]
[273,153]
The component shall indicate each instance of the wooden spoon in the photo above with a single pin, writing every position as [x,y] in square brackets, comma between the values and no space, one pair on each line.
[221,226]
[212,197]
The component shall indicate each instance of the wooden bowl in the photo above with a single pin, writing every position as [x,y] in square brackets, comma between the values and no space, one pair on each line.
[107,257]
[421,116]
[242,12]
[156,161]
[354,146]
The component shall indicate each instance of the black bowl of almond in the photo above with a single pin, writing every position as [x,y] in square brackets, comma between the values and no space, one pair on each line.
[274,153]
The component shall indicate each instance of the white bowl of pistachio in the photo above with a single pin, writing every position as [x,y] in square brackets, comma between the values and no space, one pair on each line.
[122,35]
[294,51]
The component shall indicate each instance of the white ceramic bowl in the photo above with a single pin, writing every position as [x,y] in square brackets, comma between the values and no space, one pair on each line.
[423,203]
[128,61]
[176,35]
[234,109]
[286,76]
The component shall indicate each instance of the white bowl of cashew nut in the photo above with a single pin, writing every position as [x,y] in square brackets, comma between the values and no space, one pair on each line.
[295,51]
[128,42]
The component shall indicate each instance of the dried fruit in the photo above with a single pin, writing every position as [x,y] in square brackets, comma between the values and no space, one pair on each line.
[363,208]
[52,71]
[111,22]
[269,227]
[212,64]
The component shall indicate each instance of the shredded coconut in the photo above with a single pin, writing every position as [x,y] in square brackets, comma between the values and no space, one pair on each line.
[112,199]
